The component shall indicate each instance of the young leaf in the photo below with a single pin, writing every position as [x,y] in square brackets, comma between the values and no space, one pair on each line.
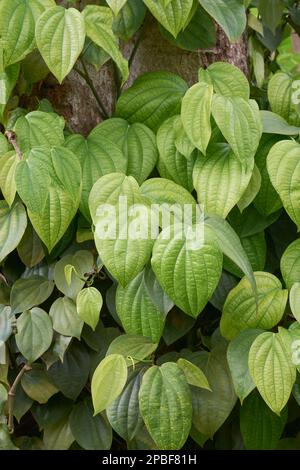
[108,381]
[13,223]
[187,273]
[295,300]
[231,16]
[82,262]
[271,368]
[9,163]
[226,79]
[284,169]
[290,264]
[34,333]
[173,15]
[89,303]
[240,311]
[195,114]
[133,348]
[116,5]
[60,35]
[193,374]
[165,404]
[280,91]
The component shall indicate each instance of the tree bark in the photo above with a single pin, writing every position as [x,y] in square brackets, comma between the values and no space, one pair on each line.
[75,101]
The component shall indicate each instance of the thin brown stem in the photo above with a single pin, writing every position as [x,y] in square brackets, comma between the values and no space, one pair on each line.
[11,137]
[11,396]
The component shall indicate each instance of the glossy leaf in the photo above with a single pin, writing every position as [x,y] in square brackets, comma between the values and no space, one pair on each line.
[230,16]
[226,79]
[89,303]
[13,223]
[30,292]
[172,15]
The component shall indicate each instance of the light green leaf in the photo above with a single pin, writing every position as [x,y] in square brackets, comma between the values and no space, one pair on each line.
[255,247]
[124,413]
[295,300]
[280,95]
[82,262]
[193,374]
[91,432]
[212,408]
[153,97]
[98,23]
[13,223]
[283,163]
[8,80]
[89,303]
[195,114]
[60,35]
[137,308]
[271,368]
[274,124]
[37,385]
[34,333]
[116,5]
[17,26]
[220,169]
[226,79]
[251,191]
[172,164]
[290,264]
[39,129]
[108,381]
[165,404]
[182,142]
[9,162]
[240,311]
[260,427]
[240,123]
[124,248]
[134,348]
[30,292]
[136,141]
[65,318]
[230,15]
[187,266]
[256,52]
[237,357]
[173,15]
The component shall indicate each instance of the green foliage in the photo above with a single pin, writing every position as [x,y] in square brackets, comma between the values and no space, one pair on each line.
[150,270]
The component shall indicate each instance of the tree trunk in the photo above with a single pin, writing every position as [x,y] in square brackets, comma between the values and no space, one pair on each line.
[75,101]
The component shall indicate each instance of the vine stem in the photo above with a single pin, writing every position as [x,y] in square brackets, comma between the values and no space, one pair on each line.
[11,137]
[11,396]
[86,77]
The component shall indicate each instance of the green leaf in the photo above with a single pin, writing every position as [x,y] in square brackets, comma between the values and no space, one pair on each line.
[182,142]
[6,322]
[9,162]
[91,432]
[256,53]
[195,114]
[271,368]
[260,427]
[280,91]
[172,164]
[295,300]
[237,357]
[274,124]
[34,333]
[30,249]
[129,20]
[226,79]
[240,311]
[231,16]
[13,223]
[39,129]
[194,376]
[22,403]
[58,436]
[290,264]
[37,385]
[255,247]
[108,381]
[271,13]
[220,169]
[98,23]
[60,35]
[212,408]
[173,16]
[136,141]
[283,163]
[153,97]
[188,274]
[165,404]
[240,123]
[65,318]
[49,182]
[123,413]
[8,80]
[251,191]
[82,262]
[30,292]
[116,5]
[71,375]
[17,25]
[142,306]
[124,248]
[89,303]
[134,348]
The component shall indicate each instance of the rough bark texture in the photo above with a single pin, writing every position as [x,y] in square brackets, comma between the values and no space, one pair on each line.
[77,104]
